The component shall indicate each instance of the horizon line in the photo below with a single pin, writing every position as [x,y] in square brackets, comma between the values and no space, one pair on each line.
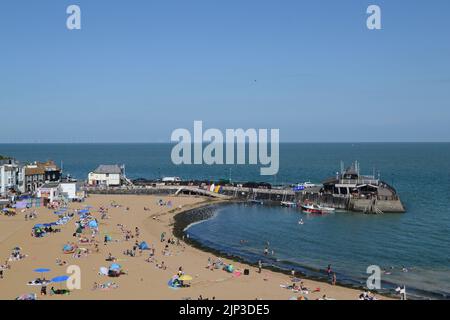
[281,142]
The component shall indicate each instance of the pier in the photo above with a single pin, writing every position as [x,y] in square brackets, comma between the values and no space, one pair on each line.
[349,190]
[267,196]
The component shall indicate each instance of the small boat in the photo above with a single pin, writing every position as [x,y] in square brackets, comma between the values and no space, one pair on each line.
[288,204]
[328,210]
[314,208]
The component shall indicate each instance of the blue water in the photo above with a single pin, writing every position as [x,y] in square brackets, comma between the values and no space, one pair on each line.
[419,239]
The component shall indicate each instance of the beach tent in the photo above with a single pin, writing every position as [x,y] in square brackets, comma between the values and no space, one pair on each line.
[114,270]
[103,271]
[144,246]
[174,283]
[93,224]
[68,249]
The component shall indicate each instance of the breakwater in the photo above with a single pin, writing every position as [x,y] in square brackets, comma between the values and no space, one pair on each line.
[267,196]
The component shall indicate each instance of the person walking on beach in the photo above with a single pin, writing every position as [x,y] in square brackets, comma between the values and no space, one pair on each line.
[259,266]
[329,270]
[43,290]
[333,281]
[402,292]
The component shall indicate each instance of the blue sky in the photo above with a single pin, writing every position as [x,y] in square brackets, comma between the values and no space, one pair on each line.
[139,69]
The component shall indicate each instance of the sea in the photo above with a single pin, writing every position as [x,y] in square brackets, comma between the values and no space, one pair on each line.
[411,249]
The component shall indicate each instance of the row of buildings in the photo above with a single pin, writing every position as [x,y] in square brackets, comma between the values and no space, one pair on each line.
[16,177]
[38,179]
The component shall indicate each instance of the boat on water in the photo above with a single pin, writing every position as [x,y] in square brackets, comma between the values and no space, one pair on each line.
[316,209]
[288,204]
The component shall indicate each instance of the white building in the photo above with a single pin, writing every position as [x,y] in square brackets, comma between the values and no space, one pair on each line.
[11,176]
[49,191]
[71,190]
[68,189]
[106,175]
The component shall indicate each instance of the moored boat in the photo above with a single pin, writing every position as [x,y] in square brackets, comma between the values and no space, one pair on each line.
[316,209]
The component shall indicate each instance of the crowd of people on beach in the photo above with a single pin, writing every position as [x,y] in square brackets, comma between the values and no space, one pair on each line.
[87,240]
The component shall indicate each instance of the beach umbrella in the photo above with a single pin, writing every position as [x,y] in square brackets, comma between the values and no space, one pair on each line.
[115,267]
[185,277]
[42,271]
[60,279]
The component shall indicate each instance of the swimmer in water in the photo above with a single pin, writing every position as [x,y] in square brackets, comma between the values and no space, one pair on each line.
[301,222]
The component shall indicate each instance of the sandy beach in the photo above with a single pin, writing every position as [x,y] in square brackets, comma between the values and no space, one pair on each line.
[143,279]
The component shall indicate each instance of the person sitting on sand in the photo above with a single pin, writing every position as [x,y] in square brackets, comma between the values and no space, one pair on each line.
[161,266]
[59,291]
[110,258]
[60,263]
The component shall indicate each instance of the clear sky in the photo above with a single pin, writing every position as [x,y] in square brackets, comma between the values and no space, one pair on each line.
[139,69]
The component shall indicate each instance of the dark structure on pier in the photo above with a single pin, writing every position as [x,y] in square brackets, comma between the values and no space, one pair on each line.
[366,193]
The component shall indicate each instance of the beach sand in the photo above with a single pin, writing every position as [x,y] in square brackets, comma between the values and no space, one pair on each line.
[143,280]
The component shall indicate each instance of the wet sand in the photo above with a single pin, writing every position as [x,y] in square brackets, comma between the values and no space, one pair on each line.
[143,280]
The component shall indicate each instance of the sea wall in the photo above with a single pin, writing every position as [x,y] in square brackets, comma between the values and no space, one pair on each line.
[385,206]
[391,206]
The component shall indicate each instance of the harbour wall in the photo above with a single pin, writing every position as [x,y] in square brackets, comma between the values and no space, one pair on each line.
[268,196]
